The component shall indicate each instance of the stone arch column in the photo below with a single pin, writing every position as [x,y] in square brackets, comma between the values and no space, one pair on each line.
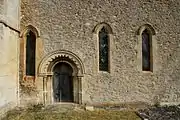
[45,70]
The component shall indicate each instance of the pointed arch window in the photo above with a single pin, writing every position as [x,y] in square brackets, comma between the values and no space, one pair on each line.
[147,49]
[103,49]
[103,36]
[30,53]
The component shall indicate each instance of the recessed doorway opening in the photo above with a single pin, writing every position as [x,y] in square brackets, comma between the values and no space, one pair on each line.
[62,83]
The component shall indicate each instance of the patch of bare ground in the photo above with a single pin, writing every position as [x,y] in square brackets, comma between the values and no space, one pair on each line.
[63,112]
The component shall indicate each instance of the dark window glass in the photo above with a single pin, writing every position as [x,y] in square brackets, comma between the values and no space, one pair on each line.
[103,49]
[146,51]
[30,53]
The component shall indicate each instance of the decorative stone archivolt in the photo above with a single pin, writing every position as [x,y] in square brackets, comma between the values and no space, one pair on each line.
[50,60]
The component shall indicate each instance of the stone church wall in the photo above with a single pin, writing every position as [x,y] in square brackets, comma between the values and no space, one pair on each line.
[9,25]
[68,25]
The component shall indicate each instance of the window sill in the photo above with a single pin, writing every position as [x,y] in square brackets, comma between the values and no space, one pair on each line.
[147,72]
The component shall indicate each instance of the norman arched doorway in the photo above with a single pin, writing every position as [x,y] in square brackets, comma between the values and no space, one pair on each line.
[62,72]
[62,83]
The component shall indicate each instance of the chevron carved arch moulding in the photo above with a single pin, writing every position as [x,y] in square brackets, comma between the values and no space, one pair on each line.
[47,63]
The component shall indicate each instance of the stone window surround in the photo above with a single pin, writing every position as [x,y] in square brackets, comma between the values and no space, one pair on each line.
[153,48]
[96,30]
[23,50]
